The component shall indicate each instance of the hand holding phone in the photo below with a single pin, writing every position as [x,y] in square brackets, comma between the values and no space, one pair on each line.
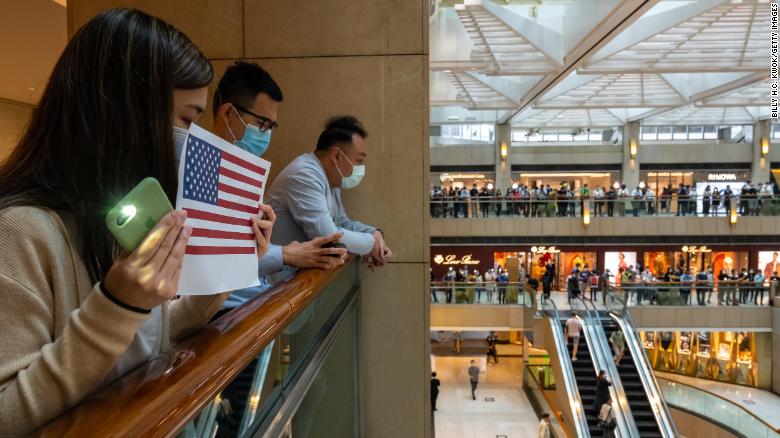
[137,213]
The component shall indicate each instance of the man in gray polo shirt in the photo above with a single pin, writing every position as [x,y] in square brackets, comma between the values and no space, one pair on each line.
[306,195]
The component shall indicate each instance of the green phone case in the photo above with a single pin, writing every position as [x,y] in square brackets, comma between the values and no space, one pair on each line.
[137,213]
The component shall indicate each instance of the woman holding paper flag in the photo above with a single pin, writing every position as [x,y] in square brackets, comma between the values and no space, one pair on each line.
[76,314]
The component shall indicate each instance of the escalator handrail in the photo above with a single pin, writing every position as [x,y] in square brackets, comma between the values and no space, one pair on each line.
[570,382]
[661,412]
[602,359]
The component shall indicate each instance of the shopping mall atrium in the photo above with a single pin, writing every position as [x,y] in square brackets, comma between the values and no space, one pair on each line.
[582,199]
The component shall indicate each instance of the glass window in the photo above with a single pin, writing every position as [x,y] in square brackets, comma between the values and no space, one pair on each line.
[710,132]
[736,130]
[594,135]
[649,132]
[550,136]
[520,135]
[695,132]
[664,132]
[581,135]
[775,131]
[535,135]
[565,136]
[680,133]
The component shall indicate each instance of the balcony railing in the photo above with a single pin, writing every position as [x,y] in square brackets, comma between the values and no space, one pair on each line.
[484,207]
[247,373]
[482,293]
[658,293]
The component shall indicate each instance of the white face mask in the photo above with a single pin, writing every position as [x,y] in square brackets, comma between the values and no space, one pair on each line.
[358,172]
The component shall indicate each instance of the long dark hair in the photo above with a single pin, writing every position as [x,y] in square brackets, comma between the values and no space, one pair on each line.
[104,123]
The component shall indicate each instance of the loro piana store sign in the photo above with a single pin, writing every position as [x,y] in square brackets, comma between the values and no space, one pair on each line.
[452,259]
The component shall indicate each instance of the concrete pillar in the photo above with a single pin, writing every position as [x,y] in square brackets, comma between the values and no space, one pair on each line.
[370,59]
[503,167]
[630,169]
[760,167]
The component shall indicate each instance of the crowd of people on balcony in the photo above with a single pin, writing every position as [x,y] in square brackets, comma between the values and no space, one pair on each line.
[616,200]
[639,286]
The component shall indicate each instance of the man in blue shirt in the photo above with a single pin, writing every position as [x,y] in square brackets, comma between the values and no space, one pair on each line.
[685,286]
[245,105]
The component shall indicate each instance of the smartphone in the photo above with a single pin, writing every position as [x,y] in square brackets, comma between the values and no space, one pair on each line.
[137,213]
[334,245]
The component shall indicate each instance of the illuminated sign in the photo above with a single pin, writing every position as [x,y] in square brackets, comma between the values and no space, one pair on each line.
[722,177]
[696,249]
[544,250]
[452,259]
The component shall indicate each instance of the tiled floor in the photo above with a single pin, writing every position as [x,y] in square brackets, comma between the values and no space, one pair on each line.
[763,404]
[458,416]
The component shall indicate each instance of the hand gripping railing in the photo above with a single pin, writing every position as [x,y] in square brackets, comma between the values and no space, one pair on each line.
[616,303]
[601,355]
[548,308]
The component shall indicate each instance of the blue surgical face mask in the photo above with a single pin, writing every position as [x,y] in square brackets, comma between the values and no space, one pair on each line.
[254,141]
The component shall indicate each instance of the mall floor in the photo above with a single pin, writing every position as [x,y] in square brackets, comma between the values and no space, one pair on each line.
[458,416]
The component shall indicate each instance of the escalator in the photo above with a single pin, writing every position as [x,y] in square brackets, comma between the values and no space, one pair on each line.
[641,409]
[583,369]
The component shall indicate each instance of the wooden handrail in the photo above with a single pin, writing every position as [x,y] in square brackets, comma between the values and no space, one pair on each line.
[163,395]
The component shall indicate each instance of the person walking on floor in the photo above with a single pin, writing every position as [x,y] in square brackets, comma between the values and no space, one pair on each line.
[572,331]
[543,430]
[473,378]
[602,391]
[435,383]
[491,342]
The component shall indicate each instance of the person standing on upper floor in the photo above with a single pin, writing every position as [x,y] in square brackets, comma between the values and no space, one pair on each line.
[716,200]
[650,200]
[473,379]
[706,201]
[685,287]
[584,196]
[474,195]
[598,196]
[702,287]
[743,199]
[727,195]
[693,200]
[624,200]
[452,203]
[682,196]
[637,201]
[611,201]
[503,281]
[758,291]
[435,383]
[666,196]
[245,105]
[490,284]
[498,200]
[484,201]
[306,195]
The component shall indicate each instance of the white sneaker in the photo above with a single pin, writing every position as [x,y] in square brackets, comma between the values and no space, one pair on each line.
[573,359]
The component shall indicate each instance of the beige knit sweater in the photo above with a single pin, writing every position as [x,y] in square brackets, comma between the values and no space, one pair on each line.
[62,339]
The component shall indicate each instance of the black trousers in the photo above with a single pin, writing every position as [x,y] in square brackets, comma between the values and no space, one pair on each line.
[473,388]
[434,396]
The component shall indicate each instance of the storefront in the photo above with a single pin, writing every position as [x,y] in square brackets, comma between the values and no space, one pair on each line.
[532,259]
[658,179]
[742,358]
[463,179]
[696,258]
[571,179]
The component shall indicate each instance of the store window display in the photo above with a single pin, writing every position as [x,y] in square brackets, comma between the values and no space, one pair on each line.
[742,358]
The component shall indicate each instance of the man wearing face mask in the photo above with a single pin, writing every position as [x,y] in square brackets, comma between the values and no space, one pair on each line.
[306,195]
[246,105]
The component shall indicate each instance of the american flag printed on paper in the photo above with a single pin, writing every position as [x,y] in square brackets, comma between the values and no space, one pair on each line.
[220,187]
